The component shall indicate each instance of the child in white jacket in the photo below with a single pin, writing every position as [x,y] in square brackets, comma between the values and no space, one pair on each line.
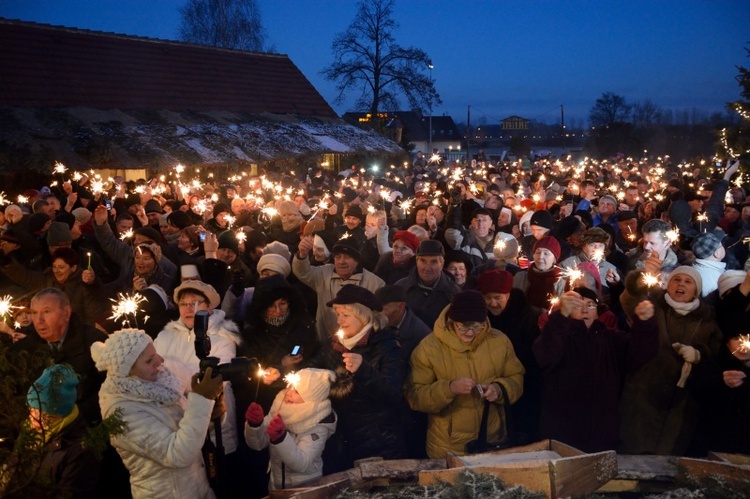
[297,427]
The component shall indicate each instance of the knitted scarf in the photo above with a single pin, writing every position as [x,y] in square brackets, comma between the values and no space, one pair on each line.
[682,308]
[541,286]
[299,418]
[166,390]
[276,321]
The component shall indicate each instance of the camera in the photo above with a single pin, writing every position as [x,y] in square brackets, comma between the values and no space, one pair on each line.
[239,366]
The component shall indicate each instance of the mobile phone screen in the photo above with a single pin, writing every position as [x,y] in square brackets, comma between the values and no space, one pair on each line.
[296,349]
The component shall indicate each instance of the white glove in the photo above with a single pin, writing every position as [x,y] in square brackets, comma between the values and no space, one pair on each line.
[687,352]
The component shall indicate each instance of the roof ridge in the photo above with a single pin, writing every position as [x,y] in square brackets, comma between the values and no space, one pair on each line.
[112,34]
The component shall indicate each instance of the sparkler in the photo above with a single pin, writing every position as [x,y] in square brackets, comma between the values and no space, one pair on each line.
[702,217]
[59,168]
[292,380]
[23,199]
[126,306]
[5,306]
[650,280]
[127,234]
[261,374]
[230,220]
[744,346]
[673,235]
[241,236]
[597,256]
[553,301]
[3,199]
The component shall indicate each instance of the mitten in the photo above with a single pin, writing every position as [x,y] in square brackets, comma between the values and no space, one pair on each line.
[276,430]
[687,352]
[254,415]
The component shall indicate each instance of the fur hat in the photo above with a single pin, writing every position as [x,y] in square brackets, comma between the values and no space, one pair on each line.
[730,279]
[468,306]
[13,209]
[595,235]
[152,248]
[495,281]
[200,288]
[314,384]
[118,354]
[55,391]
[550,243]
[58,233]
[275,262]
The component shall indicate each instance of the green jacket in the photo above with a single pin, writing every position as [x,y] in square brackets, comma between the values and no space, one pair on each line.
[453,420]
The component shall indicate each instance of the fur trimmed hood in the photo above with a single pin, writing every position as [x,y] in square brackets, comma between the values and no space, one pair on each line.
[218,325]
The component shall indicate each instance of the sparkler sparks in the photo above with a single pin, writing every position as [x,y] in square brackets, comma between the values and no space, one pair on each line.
[744,346]
[650,280]
[126,306]
[59,168]
[5,306]
[292,380]
[128,234]
[597,255]
[673,235]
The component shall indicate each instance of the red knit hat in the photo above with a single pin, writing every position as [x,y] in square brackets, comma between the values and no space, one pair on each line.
[550,243]
[408,238]
[495,281]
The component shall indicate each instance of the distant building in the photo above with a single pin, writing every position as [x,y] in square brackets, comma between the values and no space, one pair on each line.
[514,123]
[414,128]
[107,101]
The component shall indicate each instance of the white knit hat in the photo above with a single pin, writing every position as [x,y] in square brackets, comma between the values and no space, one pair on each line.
[689,271]
[82,215]
[314,384]
[730,279]
[118,354]
[275,262]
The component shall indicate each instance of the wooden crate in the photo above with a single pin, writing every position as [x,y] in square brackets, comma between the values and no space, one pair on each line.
[551,467]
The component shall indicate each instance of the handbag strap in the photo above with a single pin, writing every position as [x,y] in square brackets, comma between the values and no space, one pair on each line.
[482,437]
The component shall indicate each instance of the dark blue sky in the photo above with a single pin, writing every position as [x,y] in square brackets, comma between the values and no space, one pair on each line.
[522,57]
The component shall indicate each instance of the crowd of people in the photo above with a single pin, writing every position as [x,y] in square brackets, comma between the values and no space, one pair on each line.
[603,304]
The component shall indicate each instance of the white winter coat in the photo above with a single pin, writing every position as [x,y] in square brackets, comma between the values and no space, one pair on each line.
[176,343]
[302,454]
[162,446]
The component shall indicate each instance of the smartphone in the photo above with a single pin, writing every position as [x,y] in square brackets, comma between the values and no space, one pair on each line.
[297,350]
[108,202]
[202,236]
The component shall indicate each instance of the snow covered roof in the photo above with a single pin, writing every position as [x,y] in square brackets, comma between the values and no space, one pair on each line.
[92,99]
[85,137]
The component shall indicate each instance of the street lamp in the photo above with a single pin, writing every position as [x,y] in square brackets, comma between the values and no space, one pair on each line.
[430,138]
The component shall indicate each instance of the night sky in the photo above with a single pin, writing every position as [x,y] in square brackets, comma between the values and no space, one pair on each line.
[523,57]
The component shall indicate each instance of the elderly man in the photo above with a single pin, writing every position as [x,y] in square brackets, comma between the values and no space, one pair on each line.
[67,341]
[478,241]
[326,280]
[428,289]
[455,369]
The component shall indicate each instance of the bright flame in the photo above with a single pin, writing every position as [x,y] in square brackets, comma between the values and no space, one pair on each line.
[650,280]
[125,306]
[292,379]
[59,168]
[127,234]
[5,305]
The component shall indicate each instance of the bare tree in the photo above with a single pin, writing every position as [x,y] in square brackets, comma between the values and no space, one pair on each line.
[608,110]
[232,24]
[646,114]
[367,57]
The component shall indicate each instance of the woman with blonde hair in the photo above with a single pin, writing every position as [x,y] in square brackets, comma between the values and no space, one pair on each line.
[366,356]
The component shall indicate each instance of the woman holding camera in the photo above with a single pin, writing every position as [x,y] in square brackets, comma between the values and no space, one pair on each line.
[176,344]
[161,446]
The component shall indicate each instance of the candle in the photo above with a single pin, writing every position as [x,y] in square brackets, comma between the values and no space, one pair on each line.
[89,254]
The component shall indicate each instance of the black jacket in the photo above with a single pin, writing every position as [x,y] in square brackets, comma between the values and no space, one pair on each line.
[368,403]
[76,352]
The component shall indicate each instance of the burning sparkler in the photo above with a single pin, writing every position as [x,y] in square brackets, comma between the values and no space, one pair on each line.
[125,307]
[650,280]
[572,274]
[128,234]
[673,235]
[59,168]
[744,345]
[261,374]
[5,306]
[597,256]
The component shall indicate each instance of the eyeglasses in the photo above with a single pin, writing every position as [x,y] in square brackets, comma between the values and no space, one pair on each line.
[476,328]
[193,304]
[589,307]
